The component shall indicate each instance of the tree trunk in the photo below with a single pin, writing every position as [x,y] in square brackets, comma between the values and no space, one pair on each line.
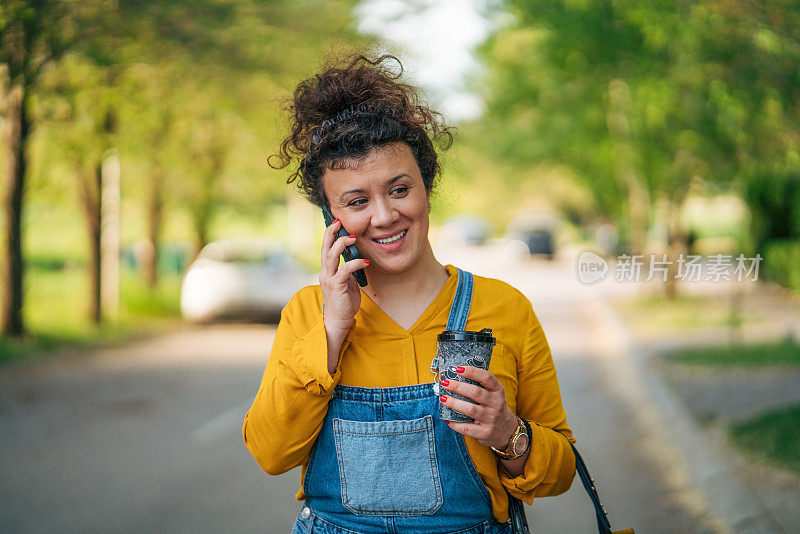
[638,212]
[13,268]
[684,168]
[202,213]
[618,120]
[155,208]
[91,186]
[676,247]
[201,220]
[95,310]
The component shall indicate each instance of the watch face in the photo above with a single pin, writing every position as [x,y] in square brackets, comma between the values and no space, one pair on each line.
[521,444]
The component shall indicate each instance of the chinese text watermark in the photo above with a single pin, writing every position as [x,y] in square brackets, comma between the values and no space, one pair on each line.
[687,267]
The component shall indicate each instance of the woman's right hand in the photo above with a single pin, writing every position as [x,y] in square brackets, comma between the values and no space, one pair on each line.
[341,295]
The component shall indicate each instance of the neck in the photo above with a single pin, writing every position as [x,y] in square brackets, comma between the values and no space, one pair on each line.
[426,277]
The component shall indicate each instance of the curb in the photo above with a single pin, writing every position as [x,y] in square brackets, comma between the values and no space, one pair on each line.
[692,459]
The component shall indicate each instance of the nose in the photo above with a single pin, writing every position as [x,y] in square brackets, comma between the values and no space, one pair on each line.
[384,213]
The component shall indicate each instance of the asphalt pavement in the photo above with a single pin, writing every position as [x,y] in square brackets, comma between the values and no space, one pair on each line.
[148,437]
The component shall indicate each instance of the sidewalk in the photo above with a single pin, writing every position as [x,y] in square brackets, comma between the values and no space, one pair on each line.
[696,404]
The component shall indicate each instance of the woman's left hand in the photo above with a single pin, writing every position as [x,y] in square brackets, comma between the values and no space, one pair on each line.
[495,423]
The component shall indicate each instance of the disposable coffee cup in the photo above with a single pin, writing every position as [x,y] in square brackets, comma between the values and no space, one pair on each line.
[460,348]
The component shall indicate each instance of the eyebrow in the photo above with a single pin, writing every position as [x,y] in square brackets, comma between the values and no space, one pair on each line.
[390,181]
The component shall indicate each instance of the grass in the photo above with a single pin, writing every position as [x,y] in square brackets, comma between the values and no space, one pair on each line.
[650,313]
[773,437]
[57,304]
[754,355]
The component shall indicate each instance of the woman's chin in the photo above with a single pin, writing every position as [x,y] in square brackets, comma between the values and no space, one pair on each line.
[395,265]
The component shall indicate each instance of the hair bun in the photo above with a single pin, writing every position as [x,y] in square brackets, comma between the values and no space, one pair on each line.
[343,111]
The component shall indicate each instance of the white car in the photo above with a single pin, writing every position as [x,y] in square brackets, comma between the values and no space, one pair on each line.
[244,278]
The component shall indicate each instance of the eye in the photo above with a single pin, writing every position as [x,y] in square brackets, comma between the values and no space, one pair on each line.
[400,190]
[357,202]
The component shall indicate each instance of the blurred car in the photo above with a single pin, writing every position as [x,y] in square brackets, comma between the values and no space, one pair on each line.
[464,229]
[244,278]
[536,230]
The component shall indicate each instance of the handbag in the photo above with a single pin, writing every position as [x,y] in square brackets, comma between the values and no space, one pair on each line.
[519,523]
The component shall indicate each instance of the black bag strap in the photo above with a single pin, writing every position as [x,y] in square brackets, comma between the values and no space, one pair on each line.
[603,525]
[519,523]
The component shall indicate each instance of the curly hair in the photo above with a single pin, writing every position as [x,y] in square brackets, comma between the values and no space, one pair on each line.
[342,113]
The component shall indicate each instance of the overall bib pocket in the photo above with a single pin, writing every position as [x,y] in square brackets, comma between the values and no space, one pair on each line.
[388,468]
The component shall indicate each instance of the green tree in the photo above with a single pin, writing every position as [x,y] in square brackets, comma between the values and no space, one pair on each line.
[247,53]
[79,116]
[644,99]
[559,90]
[33,33]
[210,77]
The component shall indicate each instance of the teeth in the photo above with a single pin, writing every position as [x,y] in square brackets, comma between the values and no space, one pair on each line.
[392,239]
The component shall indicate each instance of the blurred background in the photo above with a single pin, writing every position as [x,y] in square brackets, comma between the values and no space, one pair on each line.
[148,247]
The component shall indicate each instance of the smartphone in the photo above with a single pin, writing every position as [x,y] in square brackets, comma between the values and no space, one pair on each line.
[350,252]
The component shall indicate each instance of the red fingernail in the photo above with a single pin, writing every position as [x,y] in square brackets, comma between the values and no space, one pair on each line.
[460,369]
[445,382]
[367,262]
[351,235]
[443,398]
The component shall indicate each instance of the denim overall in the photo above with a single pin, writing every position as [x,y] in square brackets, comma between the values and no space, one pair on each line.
[385,462]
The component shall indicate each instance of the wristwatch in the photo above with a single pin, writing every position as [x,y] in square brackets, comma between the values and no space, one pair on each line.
[518,444]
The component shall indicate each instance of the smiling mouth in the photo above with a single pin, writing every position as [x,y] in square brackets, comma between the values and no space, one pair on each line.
[392,239]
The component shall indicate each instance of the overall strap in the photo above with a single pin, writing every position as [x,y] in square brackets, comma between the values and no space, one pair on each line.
[459,310]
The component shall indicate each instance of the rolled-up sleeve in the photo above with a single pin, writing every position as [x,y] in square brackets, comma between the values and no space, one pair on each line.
[550,467]
[286,416]
[309,360]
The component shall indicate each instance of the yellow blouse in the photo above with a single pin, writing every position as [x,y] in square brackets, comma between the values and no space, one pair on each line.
[286,416]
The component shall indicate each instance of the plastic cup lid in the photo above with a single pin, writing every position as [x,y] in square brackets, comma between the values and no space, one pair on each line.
[484,336]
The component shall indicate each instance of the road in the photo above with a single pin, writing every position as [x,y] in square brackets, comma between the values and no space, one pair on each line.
[147,437]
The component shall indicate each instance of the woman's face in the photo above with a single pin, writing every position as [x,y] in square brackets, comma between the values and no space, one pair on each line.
[382,200]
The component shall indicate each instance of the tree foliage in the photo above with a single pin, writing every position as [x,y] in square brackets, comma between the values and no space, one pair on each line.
[658,95]
[193,89]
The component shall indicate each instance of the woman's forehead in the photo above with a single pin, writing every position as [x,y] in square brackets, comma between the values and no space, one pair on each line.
[376,166]
[383,154]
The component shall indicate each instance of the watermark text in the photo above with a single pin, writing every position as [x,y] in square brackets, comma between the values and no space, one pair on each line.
[687,268]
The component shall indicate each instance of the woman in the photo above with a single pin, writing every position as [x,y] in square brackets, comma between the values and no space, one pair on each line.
[347,393]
